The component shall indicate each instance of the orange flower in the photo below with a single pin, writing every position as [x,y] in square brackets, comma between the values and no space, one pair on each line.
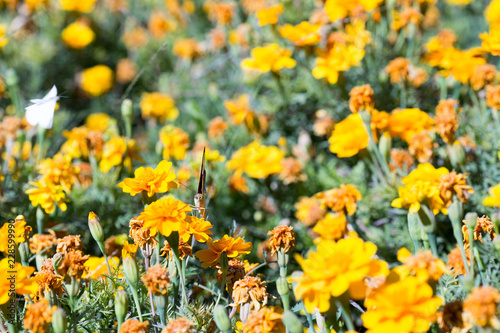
[398,70]
[423,265]
[250,290]
[134,326]
[23,283]
[309,210]
[400,159]
[159,180]
[361,98]
[481,304]
[232,246]
[187,49]
[493,96]
[340,199]
[159,25]
[180,325]
[196,227]
[158,106]
[404,123]
[156,279]
[484,224]
[456,262]
[256,160]
[165,215]
[331,227]
[421,146]
[282,237]
[266,320]
[38,316]
[217,127]
[239,110]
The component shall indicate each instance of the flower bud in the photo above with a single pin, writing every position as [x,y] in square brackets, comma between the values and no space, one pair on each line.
[131,271]
[24,253]
[385,145]
[282,286]
[222,319]
[471,220]
[127,114]
[11,77]
[73,287]
[414,227]
[56,260]
[456,211]
[59,321]
[292,322]
[121,306]
[96,227]
[427,219]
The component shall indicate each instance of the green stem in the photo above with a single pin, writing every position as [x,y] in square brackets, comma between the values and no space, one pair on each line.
[346,312]
[136,301]
[433,243]
[471,249]
[40,139]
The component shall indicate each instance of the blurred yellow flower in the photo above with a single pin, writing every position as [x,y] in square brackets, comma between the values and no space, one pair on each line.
[309,211]
[98,121]
[339,9]
[256,160]
[4,40]
[38,316]
[14,234]
[332,227]
[270,57]
[237,182]
[404,123]
[187,49]
[165,216]
[493,200]
[405,306]
[24,285]
[97,267]
[77,35]
[47,195]
[423,265]
[116,151]
[175,142]
[335,268]
[233,247]
[349,136]
[491,41]
[158,106]
[341,200]
[301,34]
[269,15]
[59,171]
[492,14]
[337,59]
[130,250]
[82,6]
[151,181]
[97,80]
[239,110]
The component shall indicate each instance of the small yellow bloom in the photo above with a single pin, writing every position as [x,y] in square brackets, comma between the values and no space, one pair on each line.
[175,142]
[4,40]
[493,200]
[270,57]
[158,106]
[257,161]
[166,215]
[337,59]
[82,6]
[302,34]
[24,285]
[77,35]
[117,151]
[269,15]
[99,121]
[97,267]
[349,136]
[47,195]
[159,180]
[97,80]
[232,246]
[6,234]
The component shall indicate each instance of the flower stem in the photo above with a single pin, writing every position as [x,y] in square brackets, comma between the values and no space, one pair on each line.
[343,303]
[136,301]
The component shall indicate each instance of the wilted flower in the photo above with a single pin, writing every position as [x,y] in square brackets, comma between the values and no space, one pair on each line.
[447,119]
[266,320]
[454,184]
[456,262]
[483,76]
[134,326]
[180,325]
[48,279]
[235,272]
[423,265]
[233,247]
[41,242]
[481,305]
[156,279]
[250,290]
[421,146]
[184,250]
[361,98]
[451,317]
[142,235]
[484,224]
[38,316]
[341,200]
[282,237]
[73,264]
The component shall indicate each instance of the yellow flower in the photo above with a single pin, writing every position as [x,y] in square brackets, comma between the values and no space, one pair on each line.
[196,227]
[97,80]
[337,59]
[302,34]
[99,121]
[339,9]
[257,161]
[77,35]
[493,200]
[23,283]
[491,42]
[492,14]
[129,250]
[342,200]
[404,123]
[175,142]
[47,195]
[59,171]
[481,304]
[335,268]
[309,210]
[97,267]
[423,265]
[404,306]
[187,49]
[14,232]
[116,151]
[4,40]
[269,15]
[332,227]
[239,110]
[158,106]
[232,246]
[159,180]
[266,320]
[83,6]
[349,136]
[166,215]
[268,58]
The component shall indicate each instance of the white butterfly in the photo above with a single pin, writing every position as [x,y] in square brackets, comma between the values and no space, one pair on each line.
[42,111]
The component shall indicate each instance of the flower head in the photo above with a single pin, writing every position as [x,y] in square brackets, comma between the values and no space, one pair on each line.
[361,98]
[421,146]
[341,200]
[23,283]
[175,142]
[493,200]
[423,265]
[97,80]
[309,210]
[454,184]
[165,215]
[484,224]
[151,181]
[269,15]
[332,227]
[447,119]
[456,262]
[301,34]
[481,304]
[232,246]
[266,320]
[184,250]
[47,195]
[349,136]
[250,290]
[282,237]
[158,106]
[180,325]
[404,123]
[134,326]
[156,280]
[270,57]
[38,316]
[235,272]
[256,160]
[77,35]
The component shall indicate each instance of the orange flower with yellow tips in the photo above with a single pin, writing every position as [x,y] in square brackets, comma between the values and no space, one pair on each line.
[151,181]
[196,227]
[481,304]
[270,57]
[342,200]
[233,247]
[335,268]
[337,59]
[423,265]
[24,285]
[165,216]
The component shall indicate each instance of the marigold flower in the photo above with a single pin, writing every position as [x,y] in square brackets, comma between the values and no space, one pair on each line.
[47,195]
[349,136]
[481,305]
[126,70]
[73,264]
[447,119]
[407,122]
[165,215]
[301,34]
[398,70]
[237,182]
[156,280]
[239,111]
[158,106]
[337,59]
[338,9]
[48,279]
[250,290]
[484,224]
[232,246]
[341,199]
[256,160]
[38,316]
[220,12]
[491,42]
[323,125]
[493,200]
[270,57]
[406,16]
[282,237]
[129,250]
[492,15]
[175,142]
[4,39]
[269,15]
[309,210]
[77,35]
[451,317]
[335,268]
[493,96]
[118,150]
[159,180]
[292,171]
[456,262]
[159,25]
[180,325]
[235,271]
[404,306]
[184,250]
[135,38]
[7,236]
[97,81]
[59,171]
[197,227]
[187,49]
[41,242]
[421,146]
[97,268]
[454,184]
[141,235]
[483,76]
[423,265]
[217,127]
[134,326]
[82,6]
[332,227]
[361,98]
[266,320]
[24,285]
[69,243]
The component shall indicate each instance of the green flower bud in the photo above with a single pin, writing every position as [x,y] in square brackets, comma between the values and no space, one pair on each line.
[282,286]
[131,271]
[59,321]
[414,227]
[456,211]
[128,115]
[283,258]
[427,219]
[56,260]
[121,306]
[471,220]
[292,322]
[385,145]
[24,253]
[73,287]
[96,227]
[11,77]
[222,319]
